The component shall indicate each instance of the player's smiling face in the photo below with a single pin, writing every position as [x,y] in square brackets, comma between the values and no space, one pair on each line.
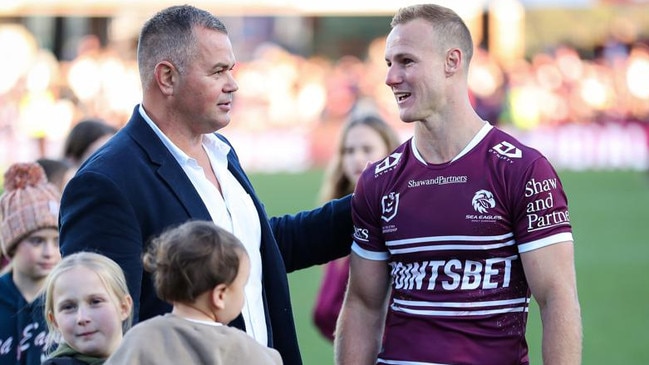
[415,61]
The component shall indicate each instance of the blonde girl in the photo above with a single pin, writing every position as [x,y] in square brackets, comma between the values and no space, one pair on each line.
[88,307]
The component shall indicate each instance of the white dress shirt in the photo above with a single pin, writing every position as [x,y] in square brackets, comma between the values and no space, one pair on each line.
[234,211]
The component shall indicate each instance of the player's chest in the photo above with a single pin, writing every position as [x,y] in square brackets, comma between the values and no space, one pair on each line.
[433,203]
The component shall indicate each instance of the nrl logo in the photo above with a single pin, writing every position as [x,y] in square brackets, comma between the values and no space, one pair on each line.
[389,206]
[483,200]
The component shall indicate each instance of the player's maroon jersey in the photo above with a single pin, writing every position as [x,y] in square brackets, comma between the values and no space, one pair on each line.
[452,235]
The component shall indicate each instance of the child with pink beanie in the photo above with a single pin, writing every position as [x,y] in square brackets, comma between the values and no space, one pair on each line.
[29,239]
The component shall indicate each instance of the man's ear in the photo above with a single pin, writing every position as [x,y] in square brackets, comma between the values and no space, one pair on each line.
[165,76]
[219,294]
[453,62]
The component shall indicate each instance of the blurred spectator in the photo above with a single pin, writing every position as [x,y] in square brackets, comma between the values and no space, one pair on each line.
[85,138]
[487,86]
[362,140]
[58,171]
[29,238]
[312,96]
[636,78]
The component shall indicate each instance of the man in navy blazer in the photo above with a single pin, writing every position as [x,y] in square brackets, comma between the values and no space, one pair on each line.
[168,166]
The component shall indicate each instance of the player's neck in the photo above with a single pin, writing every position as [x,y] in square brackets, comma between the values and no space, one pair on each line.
[441,142]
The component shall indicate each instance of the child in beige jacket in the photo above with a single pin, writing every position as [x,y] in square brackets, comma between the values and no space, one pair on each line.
[201,269]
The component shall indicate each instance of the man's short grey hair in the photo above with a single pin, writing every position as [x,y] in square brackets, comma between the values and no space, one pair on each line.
[169,36]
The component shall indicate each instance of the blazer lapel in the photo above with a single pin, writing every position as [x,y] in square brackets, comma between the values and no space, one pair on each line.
[164,165]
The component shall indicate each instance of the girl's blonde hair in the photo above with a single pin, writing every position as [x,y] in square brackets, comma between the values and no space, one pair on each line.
[110,274]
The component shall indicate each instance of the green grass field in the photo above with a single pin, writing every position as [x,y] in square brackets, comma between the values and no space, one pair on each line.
[607,210]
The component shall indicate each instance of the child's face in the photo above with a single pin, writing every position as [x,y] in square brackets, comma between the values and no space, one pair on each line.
[361,145]
[235,296]
[37,254]
[88,316]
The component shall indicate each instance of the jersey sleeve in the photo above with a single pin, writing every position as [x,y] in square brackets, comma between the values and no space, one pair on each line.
[541,208]
[368,241]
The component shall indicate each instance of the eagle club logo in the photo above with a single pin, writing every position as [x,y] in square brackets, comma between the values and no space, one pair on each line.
[482,201]
[389,206]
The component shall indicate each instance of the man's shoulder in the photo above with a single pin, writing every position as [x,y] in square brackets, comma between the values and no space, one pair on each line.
[118,154]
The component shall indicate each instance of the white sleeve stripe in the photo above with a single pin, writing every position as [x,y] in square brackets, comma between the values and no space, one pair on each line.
[370,255]
[457,313]
[408,241]
[547,241]
[491,303]
[401,362]
[493,246]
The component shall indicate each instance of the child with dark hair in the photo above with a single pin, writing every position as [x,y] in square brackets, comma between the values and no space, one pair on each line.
[58,171]
[201,269]
[85,138]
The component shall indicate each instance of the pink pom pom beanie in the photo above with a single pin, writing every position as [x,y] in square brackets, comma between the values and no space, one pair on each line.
[28,203]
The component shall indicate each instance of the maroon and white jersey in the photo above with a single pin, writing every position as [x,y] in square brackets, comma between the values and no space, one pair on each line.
[452,235]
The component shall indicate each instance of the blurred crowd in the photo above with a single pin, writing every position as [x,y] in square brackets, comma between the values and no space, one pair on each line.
[42,98]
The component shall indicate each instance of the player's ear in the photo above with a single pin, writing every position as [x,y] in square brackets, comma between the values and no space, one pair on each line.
[453,61]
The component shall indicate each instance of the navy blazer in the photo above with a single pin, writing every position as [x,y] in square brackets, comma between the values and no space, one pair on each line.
[133,188]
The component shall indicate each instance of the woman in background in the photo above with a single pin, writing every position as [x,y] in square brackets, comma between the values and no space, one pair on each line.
[362,140]
[85,138]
